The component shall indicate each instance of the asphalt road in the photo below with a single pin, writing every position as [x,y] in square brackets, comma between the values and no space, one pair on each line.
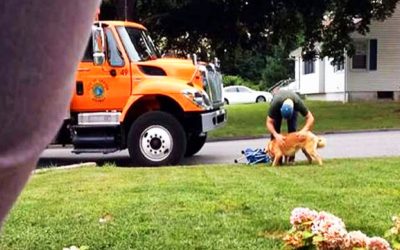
[342,145]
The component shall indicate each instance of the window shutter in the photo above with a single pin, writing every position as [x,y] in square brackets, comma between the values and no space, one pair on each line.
[373,54]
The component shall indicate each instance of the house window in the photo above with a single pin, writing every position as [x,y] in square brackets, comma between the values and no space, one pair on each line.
[339,67]
[359,60]
[385,95]
[366,55]
[309,67]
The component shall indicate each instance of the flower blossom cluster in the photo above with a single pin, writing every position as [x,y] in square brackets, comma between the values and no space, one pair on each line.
[301,217]
[378,243]
[325,231]
[396,227]
[355,239]
[330,229]
[393,234]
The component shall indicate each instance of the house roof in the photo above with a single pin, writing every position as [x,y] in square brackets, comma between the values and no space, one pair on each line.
[296,52]
[299,51]
[326,22]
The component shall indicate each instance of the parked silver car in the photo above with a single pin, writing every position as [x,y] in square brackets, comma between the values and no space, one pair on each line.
[243,94]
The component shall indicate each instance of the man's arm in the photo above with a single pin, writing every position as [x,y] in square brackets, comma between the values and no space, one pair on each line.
[271,128]
[309,122]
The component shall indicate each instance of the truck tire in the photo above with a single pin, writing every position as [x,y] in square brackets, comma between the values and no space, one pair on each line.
[195,143]
[156,139]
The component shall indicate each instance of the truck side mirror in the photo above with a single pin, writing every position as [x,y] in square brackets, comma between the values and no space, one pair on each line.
[194,59]
[98,45]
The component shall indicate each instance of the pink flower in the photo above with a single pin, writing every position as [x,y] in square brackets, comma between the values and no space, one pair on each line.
[325,220]
[355,239]
[330,231]
[378,243]
[302,217]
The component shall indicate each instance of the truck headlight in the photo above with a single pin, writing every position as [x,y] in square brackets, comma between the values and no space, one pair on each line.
[200,98]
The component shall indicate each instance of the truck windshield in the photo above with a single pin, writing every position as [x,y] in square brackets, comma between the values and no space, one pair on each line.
[138,44]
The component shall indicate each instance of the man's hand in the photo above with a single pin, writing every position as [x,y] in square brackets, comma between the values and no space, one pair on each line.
[309,122]
[280,139]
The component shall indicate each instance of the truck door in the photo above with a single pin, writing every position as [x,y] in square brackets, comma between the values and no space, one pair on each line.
[103,87]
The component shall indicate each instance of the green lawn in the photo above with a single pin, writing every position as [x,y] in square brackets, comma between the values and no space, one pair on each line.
[249,120]
[203,207]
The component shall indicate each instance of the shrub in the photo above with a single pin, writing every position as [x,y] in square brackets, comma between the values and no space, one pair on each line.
[230,80]
[393,234]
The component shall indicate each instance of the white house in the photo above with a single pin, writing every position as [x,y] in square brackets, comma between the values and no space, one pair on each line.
[373,73]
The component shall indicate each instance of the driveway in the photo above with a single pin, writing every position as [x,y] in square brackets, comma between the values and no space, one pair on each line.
[341,145]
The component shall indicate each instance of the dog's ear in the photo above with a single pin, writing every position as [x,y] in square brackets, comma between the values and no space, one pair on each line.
[321,142]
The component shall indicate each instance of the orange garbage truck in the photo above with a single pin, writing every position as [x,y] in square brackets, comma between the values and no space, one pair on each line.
[128,96]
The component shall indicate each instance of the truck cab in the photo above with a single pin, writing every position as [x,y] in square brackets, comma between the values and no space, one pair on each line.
[128,96]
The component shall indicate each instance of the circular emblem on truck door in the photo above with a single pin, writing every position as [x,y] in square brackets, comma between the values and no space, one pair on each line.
[98,89]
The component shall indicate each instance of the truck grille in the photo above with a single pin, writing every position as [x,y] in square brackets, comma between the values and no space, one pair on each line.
[213,85]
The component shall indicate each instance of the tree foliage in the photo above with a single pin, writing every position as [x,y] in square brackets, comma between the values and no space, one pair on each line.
[277,67]
[243,30]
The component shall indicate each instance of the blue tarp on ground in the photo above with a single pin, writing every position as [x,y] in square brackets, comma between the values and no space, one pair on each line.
[254,156]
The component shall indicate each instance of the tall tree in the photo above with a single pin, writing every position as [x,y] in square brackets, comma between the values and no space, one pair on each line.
[257,25]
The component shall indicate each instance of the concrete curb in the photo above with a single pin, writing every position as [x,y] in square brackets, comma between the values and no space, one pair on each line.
[267,136]
[80,165]
[321,133]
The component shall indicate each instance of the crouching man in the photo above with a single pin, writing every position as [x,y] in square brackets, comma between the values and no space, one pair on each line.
[285,105]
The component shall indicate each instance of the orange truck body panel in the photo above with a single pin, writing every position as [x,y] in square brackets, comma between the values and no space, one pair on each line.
[126,92]
[131,81]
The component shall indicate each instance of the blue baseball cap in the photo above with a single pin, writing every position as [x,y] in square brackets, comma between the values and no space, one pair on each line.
[287,109]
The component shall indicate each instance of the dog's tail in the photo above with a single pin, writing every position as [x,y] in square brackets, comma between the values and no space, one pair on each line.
[321,142]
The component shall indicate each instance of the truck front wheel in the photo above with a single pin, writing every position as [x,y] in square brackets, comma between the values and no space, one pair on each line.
[195,143]
[155,139]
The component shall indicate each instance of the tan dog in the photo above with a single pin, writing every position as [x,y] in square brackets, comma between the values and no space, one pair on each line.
[306,141]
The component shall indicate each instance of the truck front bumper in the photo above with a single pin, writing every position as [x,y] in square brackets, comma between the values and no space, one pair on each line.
[213,120]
